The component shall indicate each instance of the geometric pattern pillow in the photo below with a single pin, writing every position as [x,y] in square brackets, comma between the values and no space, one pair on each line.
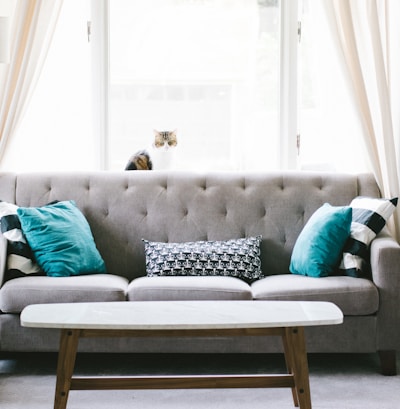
[20,260]
[235,258]
[369,218]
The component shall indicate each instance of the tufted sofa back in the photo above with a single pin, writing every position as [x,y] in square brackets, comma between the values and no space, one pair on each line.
[124,207]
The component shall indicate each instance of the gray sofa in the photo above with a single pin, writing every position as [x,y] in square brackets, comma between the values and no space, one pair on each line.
[123,208]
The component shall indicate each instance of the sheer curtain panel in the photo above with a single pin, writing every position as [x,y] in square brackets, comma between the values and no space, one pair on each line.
[31,32]
[368,34]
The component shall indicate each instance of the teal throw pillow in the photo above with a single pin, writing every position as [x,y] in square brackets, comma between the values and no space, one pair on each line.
[318,249]
[61,240]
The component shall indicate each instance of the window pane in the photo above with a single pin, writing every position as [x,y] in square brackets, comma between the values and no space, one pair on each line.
[208,68]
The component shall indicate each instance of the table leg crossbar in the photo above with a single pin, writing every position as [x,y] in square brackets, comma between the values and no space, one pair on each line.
[295,356]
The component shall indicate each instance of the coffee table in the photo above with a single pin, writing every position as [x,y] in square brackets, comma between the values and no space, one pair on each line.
[286,319]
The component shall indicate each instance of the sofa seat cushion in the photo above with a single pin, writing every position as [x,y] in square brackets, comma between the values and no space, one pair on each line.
[16,294]
[188,288]
[354,296]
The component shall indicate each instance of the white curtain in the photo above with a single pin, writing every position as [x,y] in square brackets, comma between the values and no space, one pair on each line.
[31,32]
[368,36]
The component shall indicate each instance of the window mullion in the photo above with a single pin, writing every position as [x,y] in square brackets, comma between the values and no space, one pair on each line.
[99,39]
[288,84]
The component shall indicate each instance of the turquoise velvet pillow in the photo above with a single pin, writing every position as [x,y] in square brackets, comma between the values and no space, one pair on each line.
[61,240]
[318,249]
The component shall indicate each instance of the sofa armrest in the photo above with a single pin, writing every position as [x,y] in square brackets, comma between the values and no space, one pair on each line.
[3,257]
[385,266]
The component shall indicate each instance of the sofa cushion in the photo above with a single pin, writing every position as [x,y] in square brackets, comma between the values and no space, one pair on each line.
[20,260]
[16,294]
[318,249]
[369,218]
[235,258]
[61,239]
[354,296]
[188,288]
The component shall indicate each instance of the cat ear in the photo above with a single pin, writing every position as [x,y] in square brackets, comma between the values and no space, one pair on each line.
[156,132]
[174,131]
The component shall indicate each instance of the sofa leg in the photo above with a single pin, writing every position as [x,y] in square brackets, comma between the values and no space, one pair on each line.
[388,362]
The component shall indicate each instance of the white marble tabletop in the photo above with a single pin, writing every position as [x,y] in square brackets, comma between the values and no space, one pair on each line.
[163,315]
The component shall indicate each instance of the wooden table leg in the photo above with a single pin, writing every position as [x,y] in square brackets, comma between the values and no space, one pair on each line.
[299,365]
[290,365]
[65,366]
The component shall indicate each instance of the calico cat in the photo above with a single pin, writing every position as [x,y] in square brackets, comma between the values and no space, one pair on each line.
[162,153]
[139,161]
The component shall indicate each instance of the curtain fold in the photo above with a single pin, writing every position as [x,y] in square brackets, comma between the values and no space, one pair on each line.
[365,33]
[31,32]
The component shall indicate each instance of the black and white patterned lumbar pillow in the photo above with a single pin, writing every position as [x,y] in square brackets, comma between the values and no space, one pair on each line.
[235,258]
[20,261]
[369,218]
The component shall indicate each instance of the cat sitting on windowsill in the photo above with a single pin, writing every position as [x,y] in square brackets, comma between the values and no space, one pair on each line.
[160,156]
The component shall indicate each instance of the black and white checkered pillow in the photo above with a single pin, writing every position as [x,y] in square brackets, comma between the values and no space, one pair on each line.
[369,218]
[235,258]
[20,260]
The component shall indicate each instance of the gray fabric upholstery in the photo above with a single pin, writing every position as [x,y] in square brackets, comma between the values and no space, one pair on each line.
[354,296]
[123,208]
[188,288]
[16,294]
[385,265]
[7,187]
[3,257]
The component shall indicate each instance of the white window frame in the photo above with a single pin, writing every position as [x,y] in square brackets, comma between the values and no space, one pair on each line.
[98,30]
[288,109]
[288,104]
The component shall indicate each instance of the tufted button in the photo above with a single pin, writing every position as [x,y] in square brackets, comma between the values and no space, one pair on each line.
[202,185]
[321,184]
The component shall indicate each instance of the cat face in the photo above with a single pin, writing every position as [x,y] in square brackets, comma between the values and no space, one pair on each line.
[165,139]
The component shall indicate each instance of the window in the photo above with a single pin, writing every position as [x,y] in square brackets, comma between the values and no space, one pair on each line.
[208,68]
[235,80]
[231,76]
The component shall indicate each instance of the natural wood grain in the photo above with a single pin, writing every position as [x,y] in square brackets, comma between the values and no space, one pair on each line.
[105,333]
[294,348]
[183,382]
[298,359]
[65,366]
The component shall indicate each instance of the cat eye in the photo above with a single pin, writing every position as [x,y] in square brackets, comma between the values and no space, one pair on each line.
[159,144]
